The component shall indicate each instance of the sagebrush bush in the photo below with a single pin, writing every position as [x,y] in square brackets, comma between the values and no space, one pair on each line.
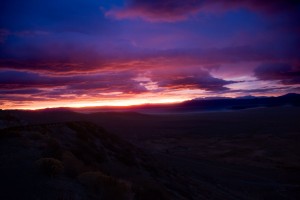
[88,152]
[35,136]
[106,187]
[9,134]
[72,165]
[149,190]
[53,148]
[50,166]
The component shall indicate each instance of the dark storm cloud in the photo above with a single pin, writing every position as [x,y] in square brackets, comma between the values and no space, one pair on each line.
[20,91]
[47,48]
[232,54]
[176,10]
[126,86]
[270,6]
[31,65]
[109,82]
[156,10]
[197,80]
[19,79]
[263,90]
[283,72]
[74,61]
[19,99]
[59,67]
[26,83]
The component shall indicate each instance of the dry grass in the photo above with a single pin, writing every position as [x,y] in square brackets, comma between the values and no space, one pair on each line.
[148,190]
[50,166]
[72,165]
[53,148]
[106,187]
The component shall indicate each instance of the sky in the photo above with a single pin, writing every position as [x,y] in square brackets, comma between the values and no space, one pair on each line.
[76,53]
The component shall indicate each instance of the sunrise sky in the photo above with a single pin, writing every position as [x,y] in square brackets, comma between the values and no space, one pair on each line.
[56,53]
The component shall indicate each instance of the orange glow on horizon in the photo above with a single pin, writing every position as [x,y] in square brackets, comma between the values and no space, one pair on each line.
[92,103]
[123,100]
[110,99]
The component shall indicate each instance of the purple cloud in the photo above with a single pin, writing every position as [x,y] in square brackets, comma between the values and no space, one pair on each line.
[27,85]
[62,50]
[20,91]
[156,10]
[190,79]
[283,72]
[178,10]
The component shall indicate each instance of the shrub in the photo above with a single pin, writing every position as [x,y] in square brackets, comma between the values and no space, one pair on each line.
[54,148]
[50,166]
[72,165]
[149,190]
[126,157]
[106,187]
[88,152]
[82,136]
[7,133]
[35,136]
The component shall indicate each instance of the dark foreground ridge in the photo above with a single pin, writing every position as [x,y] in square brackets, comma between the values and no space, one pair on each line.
[79,160]
[58,154]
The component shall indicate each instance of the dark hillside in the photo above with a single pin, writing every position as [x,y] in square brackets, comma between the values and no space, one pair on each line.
[78,160]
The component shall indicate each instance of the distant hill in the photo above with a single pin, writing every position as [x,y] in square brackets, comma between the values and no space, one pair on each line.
[194,105]
[290,99]
[205,104]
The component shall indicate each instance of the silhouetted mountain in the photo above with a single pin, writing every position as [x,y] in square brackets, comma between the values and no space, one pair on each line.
[291,95]
[291,99]
[249,97]
[195,105]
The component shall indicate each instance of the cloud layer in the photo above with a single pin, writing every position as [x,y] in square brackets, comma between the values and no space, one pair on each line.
[55,53]
[177,10]
[283,72]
